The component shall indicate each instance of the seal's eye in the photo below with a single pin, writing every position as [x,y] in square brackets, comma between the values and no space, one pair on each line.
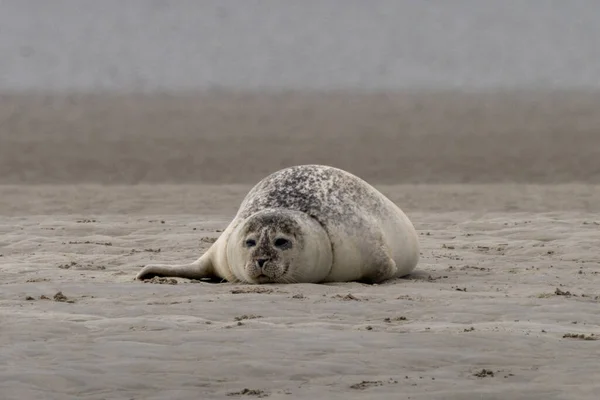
[283,243]
[250,243]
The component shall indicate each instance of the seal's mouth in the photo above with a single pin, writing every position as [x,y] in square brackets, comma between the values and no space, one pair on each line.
[269,273]
[262,278]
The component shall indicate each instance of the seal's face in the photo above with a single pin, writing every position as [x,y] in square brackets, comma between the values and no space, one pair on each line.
[270,243]
[279,246]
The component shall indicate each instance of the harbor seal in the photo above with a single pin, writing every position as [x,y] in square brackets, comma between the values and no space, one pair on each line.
[307,224]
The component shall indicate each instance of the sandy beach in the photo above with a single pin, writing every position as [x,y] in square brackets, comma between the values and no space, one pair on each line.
[504,303]
[499,287]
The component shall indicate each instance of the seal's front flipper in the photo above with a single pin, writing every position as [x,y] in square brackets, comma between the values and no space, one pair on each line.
[383,267]
[201,268]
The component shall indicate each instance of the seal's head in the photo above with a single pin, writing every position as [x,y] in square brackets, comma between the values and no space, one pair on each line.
[279,246]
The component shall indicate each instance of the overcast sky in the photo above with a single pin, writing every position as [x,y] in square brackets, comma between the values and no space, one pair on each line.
[308,44]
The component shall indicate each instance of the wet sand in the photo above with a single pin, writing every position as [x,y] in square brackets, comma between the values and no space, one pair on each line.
[437,137]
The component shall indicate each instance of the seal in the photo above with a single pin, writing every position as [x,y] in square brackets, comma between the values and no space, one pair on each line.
[307,224]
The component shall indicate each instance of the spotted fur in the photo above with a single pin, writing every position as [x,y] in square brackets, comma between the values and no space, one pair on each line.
[327,194]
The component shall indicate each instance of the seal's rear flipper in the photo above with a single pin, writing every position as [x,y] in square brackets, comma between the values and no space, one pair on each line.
[201,268]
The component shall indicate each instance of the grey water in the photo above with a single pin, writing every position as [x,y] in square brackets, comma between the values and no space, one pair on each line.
[148,45]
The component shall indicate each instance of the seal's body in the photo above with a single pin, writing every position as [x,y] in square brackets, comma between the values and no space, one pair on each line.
[308,223]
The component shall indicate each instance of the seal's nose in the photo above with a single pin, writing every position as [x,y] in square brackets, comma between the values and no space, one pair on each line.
[260,262]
